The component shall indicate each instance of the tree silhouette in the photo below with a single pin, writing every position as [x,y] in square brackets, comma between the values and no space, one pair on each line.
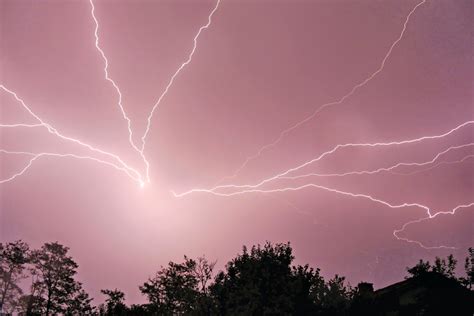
[13,259]
[55,277]
[263,282]
[259,281]
[176,288]
[363,300]
[336,296]
[256,282]
[420,268]
[446,266]
[80,303]
[442,266]
[308,288]
[468,281]
[114,303]
[203,271]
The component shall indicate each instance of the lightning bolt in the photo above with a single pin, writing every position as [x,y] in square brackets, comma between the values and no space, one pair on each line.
[324,154]
[117,90]
[326,105]
[429,217]
[386,169]
[313,185]
[160,98]
[435,166]
[121,165]
[35,156]
[328,189]
[20,125]
[117,163]
[246,189]
[171,81]
[136,175]
[362,196]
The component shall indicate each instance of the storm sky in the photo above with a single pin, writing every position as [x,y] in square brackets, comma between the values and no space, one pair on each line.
[259,68]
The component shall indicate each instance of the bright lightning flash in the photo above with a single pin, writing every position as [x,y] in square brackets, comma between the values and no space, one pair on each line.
[112,160]
[257,188]
[160,98]
[118,163]
[323,155]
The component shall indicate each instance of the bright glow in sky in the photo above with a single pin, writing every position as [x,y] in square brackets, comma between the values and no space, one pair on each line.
[135,132]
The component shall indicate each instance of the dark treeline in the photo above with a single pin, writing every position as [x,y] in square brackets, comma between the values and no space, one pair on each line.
[259,281]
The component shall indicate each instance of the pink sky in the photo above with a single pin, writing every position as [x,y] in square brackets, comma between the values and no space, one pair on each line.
[259,68]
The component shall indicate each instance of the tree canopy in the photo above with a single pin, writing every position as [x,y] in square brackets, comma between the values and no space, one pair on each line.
[261,280]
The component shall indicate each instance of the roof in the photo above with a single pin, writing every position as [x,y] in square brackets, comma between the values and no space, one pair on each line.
[430,293]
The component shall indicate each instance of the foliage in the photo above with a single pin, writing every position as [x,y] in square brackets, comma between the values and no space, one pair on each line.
[420,268]
[80,304]
[468,281]
[180,288]
[55,283]
[114,303]
[259,281]
[337,296]
[263,282]
[446,267]
[13,259]
[256,282]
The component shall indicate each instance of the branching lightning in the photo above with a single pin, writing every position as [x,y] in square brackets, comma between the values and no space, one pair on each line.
[385,169]
[119,163]
[160,98]
[326,105]
[429,217]
[363,196]
[323,155]
[171,81]
[117,90]
[463,159]
[35,156]
[257,188]
[134,173]
[261,187]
